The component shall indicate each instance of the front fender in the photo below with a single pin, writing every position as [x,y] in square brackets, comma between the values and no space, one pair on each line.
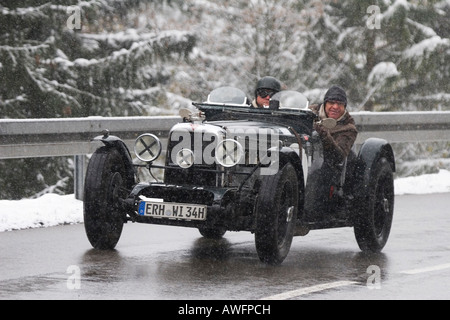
[289,155]
[371,151]
[116,142]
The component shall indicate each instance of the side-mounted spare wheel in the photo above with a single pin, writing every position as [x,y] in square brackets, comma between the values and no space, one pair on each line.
[105,184]
[276,211]
[373,221]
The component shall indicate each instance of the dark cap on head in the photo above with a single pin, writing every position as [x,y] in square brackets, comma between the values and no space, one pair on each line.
[336,93]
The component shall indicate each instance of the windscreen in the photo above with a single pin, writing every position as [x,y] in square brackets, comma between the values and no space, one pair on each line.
[228,96]
[290,100]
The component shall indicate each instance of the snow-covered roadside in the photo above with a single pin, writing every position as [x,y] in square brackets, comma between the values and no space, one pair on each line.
[46,211]
[51,209]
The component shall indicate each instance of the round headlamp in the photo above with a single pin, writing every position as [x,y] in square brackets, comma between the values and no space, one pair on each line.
[229,153]
[185,158]
[147,147]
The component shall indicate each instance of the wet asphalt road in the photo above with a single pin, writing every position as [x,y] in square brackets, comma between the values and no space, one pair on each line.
[159,262]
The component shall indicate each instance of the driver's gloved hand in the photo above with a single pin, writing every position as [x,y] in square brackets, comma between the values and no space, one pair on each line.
[321,130]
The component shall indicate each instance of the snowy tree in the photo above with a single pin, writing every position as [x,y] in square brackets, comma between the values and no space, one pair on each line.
[79,58]
[74,58]
[425,64]
[237,43]
[142,57]
[385,53]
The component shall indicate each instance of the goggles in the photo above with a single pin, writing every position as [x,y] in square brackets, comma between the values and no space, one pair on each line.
[265,92]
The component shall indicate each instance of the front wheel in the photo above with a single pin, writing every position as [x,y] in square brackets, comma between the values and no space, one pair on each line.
[372,224]
[276,210]
[104,186]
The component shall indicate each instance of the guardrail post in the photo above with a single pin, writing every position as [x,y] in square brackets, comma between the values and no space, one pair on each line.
[78,178]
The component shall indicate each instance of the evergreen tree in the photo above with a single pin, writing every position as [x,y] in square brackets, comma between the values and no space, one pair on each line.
[238,42]
[385,53]
[78,58]
[82,58]
[74,58]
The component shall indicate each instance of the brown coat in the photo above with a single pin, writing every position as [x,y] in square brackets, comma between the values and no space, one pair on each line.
[337,142]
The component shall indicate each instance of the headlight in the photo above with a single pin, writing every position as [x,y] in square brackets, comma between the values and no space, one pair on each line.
[229,153]
[147,147]
[185,158]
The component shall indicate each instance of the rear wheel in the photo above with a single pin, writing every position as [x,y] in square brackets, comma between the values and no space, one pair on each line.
[373,223]
[104,186]
[276,209]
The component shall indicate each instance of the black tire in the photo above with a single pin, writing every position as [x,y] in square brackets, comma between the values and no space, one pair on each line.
[212,233]
[104,183]
[276,210]
[373,223]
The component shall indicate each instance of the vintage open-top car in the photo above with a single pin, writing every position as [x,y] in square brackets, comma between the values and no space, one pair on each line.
[231,167]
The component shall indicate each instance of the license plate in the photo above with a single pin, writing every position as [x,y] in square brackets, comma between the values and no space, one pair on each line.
[170,210]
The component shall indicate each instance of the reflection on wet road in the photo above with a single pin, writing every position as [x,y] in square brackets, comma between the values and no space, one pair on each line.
[159,262]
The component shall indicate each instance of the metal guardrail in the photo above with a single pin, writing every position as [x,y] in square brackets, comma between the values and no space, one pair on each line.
[25,138]
[399,127]
[30,138]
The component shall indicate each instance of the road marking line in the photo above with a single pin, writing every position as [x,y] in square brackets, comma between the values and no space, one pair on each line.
[308,290]
[427,269]
[337,284]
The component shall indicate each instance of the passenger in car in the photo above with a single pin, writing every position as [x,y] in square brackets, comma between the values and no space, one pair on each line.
[326,181]
[266,87]
[338,141]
